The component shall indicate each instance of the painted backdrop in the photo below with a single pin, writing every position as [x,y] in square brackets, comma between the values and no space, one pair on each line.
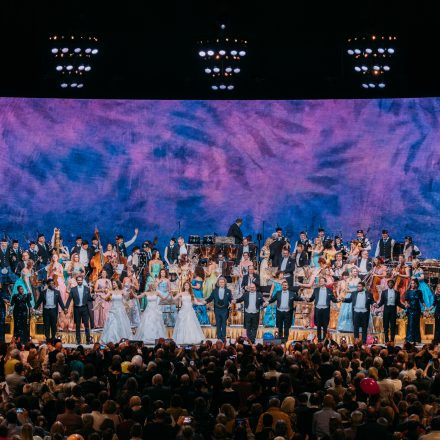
[299,164]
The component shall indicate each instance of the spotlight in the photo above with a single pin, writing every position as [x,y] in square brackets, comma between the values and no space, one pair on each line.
[214,87]
[210,53]
[59,68]
[237,70]
[216,70]
[350,52]
[390,50]
[69,67]
[357,51]
[77,50]
[233,52]
[357,68]
[222,87]
[81,67]
[372,85]
[64,50]
[54,50]
[381,85]
[207,70]
[365,86]
[230,87]
[87,68]
[368,50]
[73,85]
[202,53]
[80,86]
[222,52]
[94,51]
[63,85]
[88,50]
[375,67]
[386,68]
[381,50]
[228,69]
[364,68]
[242,53]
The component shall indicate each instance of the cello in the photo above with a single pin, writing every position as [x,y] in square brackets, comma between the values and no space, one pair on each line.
[97,262]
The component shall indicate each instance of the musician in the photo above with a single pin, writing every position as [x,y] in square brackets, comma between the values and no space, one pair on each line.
[253,303]
[123,245]
[44,254]
[287,265]
[33,251]
[222,298]
[6,275]
[322,296]
[436,306]
[146,247]
[78,243]
[15,255]
[245,248]
[285,299]
[360,300]
[339,246]
[338,266]
[235,231]
[364,264]
[321,234]
[361,238]
[80,295]
[385,246]
[95,245]
[390,299]
[250,278]
[276,247]
[303,239]
[171,253]
[23,263]
[4,299]
[85,255]
[183,250]
[300,256]
[51,299]
[410,250]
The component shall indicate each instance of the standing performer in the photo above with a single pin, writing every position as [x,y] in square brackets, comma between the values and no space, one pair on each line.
[235,231]
[102,289]
[171,253]
[264,265]
[287,266]
[322,296]
[4,299]
[379,272]
[436,307]
[222,298]
[21,313]
[414,299]
[277,246]
[402,274]
[253,302]
[410,250]
[390,299]
[51,299]
[44,253]
[363,240]
[269,319]
[428,296]
[123,245]
[364,264]
[385,246]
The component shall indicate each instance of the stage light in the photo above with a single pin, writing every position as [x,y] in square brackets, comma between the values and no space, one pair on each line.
[80,86]
[390,50]
[381,85]
[59,68]
[386,68]
[237,70]
[368,50]
[365,86]
[242,53]
[54,50]
[357,68]
[222,87]
[65,49]
[69,67]
[228,69]
[210,53]
[81,67]
[207,70]
[77,50]
[381,50]
[364,68]
[350,52]
[233,52]
[88,50]
[357,51]
[216,70]
[63,85]
[222,52]
[87,68]
[375,67]
[94,51]
[214,87]
[230,87]
[202,53]
[73,85]
[372,85]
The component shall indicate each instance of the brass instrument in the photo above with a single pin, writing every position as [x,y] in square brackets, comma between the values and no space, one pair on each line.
[57,240]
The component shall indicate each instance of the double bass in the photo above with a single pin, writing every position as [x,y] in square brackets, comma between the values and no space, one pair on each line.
[97,262]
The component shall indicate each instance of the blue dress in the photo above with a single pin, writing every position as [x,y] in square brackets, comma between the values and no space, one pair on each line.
[345,318]
[413,312]
[428,296]
[201,312]
[269,319]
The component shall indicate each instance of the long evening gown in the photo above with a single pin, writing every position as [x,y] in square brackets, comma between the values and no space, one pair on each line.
[117,325]
[264,266]
[428,296]
[200,310]
[100,305]
[413,312]
[168,310]
[269,319]
[187,329]
[21,304]
[345,318]
[151,326]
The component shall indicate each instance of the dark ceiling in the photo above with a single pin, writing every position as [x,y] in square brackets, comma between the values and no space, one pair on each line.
[295,48]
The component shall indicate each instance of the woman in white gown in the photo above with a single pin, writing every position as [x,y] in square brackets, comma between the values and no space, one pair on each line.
[117,325]
[187,329]
[151,326]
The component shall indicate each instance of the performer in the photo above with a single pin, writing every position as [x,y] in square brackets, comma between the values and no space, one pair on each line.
[235,231]
[51,299]
[364,264]
[287,266]
[15,255]
[317,251]
[85,256]
[33,253]
[379,272]
[250,278]
[78,244]
[102,288]
[428,296]
[390,299]
[222,298]
[436,307]
[248,248]
[345,318]
[402,274]
[80,295]
[183,250]
[24,281]
[338,266]
[117,326]
[44,253]
[130,285]
[414,300]
[123,245]
[329,251]
[163,286]
[300,257]
[264,264]
[361,300]
[210,277]
[303,239]
[410,250]
[151,326]
[4,299]
[243,267]
[6,274]
[187,329]
[277,246]
[197,288]
[285,307]
[322,296]
[363,240]
[171,253]
[269,319]
[55,272]
[385,246]
[21,312]
[253,302]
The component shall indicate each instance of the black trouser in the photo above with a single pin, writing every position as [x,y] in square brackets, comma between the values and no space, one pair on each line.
[322,318]
[3,323]
[221,318]
[50,320]
[389,321]
[81,314]
[437,329]
[251,322]
[360,319]
[284,321]
[91,314]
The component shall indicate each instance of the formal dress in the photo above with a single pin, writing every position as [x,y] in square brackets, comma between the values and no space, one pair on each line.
[428,296]
[345,319]
[264,266]
[21,305]
[187,329]
[402,283]
[169,309]
[151,326]
[413,312]
[154,273]
[200,310]
[269,319]
[209,284]
[117,325]
[133,308]
[101,306]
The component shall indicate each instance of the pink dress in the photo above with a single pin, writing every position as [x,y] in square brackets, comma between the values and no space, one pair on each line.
[57,269]
[100,305]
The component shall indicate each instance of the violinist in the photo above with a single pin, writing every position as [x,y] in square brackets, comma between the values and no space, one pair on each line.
[361,238]
[78,243]
[33,252]
[123,245]
[86,255]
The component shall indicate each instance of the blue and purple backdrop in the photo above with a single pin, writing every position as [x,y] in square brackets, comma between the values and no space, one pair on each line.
[343,164]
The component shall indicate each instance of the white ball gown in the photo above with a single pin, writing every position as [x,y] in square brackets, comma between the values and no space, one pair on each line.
[187,329]
[117,325]
[151,326]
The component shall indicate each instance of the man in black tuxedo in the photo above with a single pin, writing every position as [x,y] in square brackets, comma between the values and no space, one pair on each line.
[285,307]
[78,243]
[361,300]
[364,264]
[300,259]
[249,278]
[322,296]
[80,295]
[276,247]
[390,299]
[51,299]
[44,255]
[248,248]
[222,298]
[235,231]
[16,254]
[253,302]
[436,306]
[287,265]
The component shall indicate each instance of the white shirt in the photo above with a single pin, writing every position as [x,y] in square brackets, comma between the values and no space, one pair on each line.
[284,305]
[252,305]
[84,257]
[363,266]
[322,298]
[50,299]
[391,297]
[245,249]
[360,302]
[182,250]
[221,292]
[284,263]
[81,294]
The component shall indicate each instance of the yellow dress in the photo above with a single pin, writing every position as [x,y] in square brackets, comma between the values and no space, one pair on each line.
[209,284]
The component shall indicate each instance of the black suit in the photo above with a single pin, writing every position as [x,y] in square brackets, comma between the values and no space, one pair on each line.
[284,318]
[221,310]
[251,320]
[322,315]
[288,270]
[50,315]
[369,266]
[303,259]
[80,312]
[276,249]
[390,312]
[252,250]
[75,250]
[44,252]
[235,231]
[436,305]
[255,279]
[360,319]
